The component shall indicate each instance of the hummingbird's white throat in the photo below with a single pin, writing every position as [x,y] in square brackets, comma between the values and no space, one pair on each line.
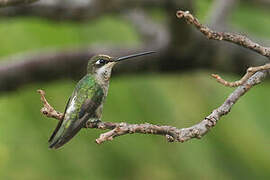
[103,73]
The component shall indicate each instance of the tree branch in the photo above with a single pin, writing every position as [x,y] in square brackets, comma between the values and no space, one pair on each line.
[230,37]
[5,3]
[172,134]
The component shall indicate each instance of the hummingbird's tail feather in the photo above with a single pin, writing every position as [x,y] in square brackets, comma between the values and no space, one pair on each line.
[55,130]
[58,125]
[53,144]
[60,141]
[61,138]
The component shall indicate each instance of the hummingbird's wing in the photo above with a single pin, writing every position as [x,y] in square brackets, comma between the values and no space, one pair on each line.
[87,111]
[69,131]
[82,106]
[85,108]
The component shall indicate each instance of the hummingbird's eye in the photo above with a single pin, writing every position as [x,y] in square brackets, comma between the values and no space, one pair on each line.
[101,62]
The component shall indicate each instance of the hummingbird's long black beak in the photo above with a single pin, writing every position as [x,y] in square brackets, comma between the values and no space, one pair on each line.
[133,55]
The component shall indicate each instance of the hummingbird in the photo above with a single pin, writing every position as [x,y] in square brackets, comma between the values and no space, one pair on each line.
[87,99]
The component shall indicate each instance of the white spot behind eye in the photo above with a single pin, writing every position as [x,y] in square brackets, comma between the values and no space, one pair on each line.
[98,62]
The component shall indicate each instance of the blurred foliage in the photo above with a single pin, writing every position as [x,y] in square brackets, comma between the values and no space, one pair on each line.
[252,20]
[237,148]
[247,17]
[32,34]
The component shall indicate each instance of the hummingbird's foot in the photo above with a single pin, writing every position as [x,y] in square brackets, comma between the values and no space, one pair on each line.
[92,123]
[95,121]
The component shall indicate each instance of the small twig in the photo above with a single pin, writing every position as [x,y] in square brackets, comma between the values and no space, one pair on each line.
[249,73]
[47,109]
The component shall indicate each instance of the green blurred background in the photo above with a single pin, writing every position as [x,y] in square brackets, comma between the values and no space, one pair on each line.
[237,148]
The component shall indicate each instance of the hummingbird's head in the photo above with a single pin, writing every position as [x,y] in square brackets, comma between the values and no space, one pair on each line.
[101,65]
